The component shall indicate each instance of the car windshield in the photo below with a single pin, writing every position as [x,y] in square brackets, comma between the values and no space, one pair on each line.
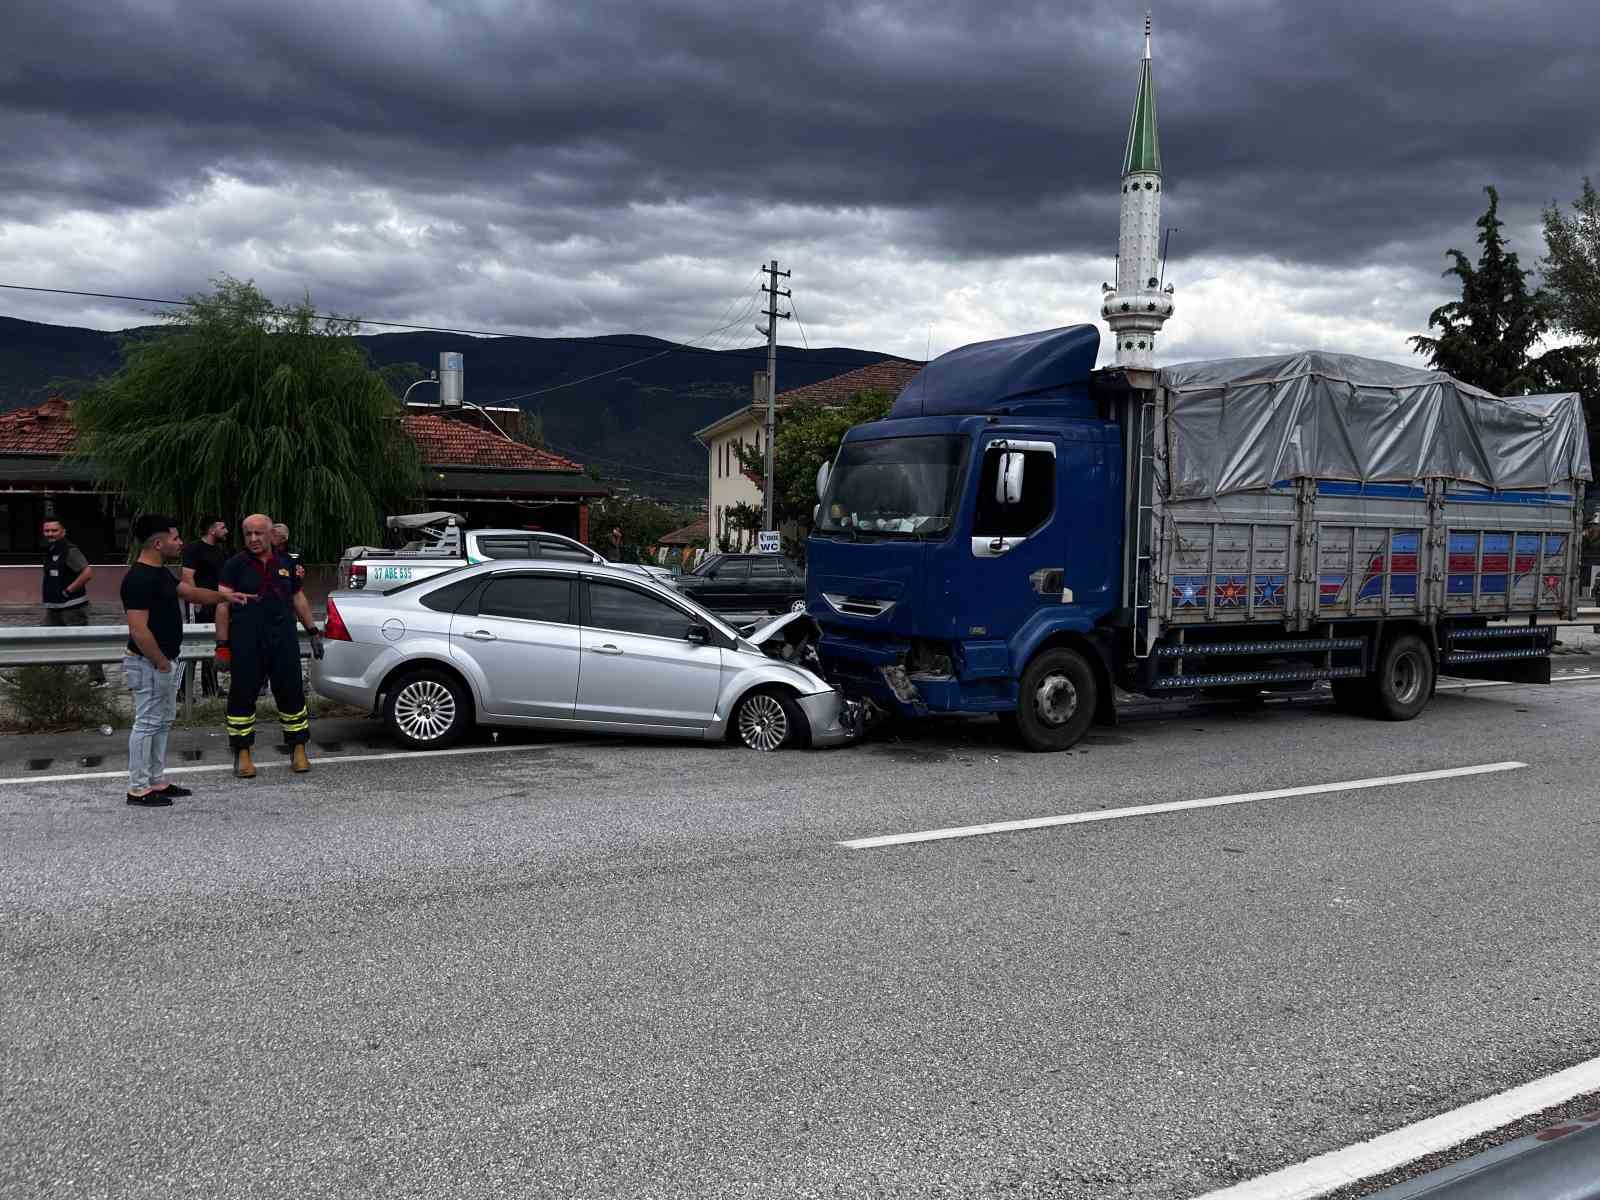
[894,487]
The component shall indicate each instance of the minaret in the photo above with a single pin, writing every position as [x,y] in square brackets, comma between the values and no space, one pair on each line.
[1138,306]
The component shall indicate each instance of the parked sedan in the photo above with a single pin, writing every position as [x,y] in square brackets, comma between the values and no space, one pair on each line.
[745,583]
[561,645]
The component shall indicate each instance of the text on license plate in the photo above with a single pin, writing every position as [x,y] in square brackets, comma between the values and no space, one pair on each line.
[400,573]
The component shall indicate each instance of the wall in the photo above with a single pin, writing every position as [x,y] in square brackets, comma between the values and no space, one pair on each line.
[728,485]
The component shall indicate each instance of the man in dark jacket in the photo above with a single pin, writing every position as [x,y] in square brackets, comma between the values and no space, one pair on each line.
[66,586]
[258,640]
[202,569]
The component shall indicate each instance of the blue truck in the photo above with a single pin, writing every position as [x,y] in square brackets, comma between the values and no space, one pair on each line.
[1024,534]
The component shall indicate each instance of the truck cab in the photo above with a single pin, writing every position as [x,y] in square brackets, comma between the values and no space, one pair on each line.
[976,524]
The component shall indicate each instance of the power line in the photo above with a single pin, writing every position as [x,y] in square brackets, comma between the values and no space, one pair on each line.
[602,341]
[796,311]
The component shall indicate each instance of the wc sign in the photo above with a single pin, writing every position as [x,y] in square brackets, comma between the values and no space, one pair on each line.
[768,542]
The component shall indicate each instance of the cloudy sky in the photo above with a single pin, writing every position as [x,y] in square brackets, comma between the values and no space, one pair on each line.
[932,173]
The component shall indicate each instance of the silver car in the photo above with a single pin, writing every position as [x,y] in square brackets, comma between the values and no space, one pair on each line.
[561,645]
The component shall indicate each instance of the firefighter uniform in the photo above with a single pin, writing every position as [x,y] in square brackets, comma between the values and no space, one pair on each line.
[265,646]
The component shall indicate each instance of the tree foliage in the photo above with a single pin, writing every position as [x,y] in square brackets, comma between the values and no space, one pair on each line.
[808,435]
[241,406]
[1572,267]
[643,522]
[1486,337]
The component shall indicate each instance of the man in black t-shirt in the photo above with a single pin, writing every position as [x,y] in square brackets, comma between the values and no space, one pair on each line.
[150,596]
[202,568]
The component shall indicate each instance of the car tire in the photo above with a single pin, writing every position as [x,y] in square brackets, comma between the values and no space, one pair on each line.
[1056,701]
[1405,679]
[768,719]
[427,710]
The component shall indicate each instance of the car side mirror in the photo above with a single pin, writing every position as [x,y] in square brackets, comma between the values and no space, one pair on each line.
[698,634]
[1008,480]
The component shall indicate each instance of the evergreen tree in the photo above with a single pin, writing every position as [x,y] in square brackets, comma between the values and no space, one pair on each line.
[1486,336]
[1572,268]
[241,406]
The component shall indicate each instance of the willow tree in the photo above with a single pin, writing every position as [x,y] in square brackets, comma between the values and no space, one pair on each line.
[242,406]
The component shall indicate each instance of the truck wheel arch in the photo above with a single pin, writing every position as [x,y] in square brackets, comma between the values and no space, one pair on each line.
[1093,653]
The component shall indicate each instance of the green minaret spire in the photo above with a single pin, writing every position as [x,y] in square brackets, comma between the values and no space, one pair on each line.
[1144,149]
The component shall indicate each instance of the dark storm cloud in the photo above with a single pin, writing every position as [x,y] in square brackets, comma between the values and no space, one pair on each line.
[1309,131]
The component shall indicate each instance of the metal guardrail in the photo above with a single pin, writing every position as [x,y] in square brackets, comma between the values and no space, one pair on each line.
[83,644]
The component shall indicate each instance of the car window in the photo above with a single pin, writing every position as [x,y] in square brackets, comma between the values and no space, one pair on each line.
[732,570]
[551,548]
[504,547]
[628,611]
[768,568]
[528,598]
[449,597]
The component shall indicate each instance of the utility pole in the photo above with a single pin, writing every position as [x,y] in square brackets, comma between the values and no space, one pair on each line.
[771,331]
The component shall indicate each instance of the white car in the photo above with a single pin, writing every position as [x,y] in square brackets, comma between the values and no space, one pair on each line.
[561,645]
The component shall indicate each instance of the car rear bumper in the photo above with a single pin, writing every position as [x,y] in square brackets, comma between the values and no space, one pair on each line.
[351,673]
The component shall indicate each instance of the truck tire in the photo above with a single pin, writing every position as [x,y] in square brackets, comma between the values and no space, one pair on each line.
[1405,679]
[427,710]
[1056,701]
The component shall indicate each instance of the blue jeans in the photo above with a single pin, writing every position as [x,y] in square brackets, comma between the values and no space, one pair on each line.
[155,707]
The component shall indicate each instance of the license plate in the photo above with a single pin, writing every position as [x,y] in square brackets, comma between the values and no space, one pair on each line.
[400,574]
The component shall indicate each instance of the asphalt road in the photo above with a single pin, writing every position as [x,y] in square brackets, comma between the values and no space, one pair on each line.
[607,969]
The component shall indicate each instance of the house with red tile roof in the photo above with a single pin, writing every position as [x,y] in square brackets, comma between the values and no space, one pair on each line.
[728,484]
[486,477]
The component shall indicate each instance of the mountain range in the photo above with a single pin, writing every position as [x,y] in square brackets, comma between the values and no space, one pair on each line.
[633,424]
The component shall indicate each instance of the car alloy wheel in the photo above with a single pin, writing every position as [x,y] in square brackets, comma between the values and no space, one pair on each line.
[763,723]
[424,710]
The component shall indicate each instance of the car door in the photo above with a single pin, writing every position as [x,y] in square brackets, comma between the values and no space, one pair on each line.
[727,585]
[522,645]
[770,582]
[640,667]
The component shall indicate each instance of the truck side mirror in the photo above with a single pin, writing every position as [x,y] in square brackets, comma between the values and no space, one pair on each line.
[822,479]
[1008,480]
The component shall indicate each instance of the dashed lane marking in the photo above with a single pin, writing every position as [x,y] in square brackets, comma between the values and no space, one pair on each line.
[1150,810]
[1340,1168]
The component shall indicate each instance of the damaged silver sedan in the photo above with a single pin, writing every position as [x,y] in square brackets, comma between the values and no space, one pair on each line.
[580,646]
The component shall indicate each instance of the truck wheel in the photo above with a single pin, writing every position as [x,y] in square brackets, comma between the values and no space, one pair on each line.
[769,720]
[1405,679]
[1056,700]
[427,710]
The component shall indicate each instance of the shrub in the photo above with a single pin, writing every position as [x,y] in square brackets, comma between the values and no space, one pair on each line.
[55,698]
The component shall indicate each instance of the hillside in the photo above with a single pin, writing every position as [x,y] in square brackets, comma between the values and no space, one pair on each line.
[636,424]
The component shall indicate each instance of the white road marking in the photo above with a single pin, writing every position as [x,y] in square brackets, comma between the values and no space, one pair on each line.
[262,766]
[1461,685]
[1340,1168]
[1146,810]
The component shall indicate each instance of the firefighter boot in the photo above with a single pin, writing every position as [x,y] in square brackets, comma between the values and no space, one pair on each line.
[242,766]
[298,760]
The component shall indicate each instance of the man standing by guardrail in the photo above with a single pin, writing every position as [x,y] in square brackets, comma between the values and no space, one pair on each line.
[258,641]
[155,636]
[66,586]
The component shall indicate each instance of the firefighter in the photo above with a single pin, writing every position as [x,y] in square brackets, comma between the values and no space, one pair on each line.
[257,641]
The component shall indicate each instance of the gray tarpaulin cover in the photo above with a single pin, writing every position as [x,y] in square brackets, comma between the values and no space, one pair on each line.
[1239,424]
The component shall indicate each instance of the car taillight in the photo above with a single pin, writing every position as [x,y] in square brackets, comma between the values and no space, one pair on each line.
[334,628]
[358,576]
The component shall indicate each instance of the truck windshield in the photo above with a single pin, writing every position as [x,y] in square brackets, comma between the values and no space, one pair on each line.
[894,486]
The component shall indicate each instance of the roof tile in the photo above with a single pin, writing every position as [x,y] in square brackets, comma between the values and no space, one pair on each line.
[43,429]
[447,443]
